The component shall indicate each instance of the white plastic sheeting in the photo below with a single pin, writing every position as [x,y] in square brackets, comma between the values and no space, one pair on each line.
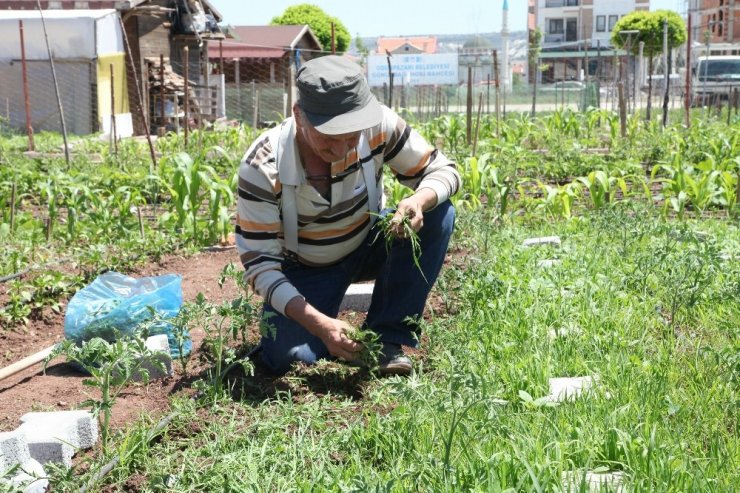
[73,34]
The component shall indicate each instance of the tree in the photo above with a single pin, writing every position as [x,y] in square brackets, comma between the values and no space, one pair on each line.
[319,22]
[361,48]
[650,31]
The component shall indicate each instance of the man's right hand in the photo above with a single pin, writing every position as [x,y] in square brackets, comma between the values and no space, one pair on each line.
[336,339]
[332,332]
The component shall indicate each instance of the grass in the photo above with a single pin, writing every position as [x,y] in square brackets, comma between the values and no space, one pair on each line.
[664,412]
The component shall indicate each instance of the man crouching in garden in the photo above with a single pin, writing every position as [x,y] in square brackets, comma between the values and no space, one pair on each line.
[310,193]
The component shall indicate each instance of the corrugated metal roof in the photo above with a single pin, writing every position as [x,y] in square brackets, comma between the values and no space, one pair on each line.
[263,41]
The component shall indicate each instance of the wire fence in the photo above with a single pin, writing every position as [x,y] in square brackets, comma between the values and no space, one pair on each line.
[260,93]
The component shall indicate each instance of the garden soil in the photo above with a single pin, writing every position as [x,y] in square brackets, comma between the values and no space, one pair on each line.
[60,388]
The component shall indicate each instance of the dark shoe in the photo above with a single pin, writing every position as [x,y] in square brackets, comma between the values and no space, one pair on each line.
[392,361]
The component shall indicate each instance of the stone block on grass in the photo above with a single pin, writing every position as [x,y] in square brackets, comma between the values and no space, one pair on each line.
[569,388]
[543,240]
[593,481]
[547,263]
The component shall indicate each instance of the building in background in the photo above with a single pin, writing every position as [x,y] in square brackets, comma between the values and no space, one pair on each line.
[717,23]
[406,45]
[258,65]
[154,28]
[576,35]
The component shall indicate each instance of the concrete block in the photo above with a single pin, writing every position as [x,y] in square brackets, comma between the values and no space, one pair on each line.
[29,478]
[160,346]
[596,482]
[568,388]
[547,263]
[565,331]
[543,240]
[357,297]
[56,436]
[13,449]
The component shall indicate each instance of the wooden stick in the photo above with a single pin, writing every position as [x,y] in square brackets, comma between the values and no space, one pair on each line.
[186,65]
[139,100]
[477,122]
[113,111]
[26,97]
[141,222]
[56,84]
[13,192]
[25,363]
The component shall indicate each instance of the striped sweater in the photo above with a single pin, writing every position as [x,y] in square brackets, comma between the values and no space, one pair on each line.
[328,230]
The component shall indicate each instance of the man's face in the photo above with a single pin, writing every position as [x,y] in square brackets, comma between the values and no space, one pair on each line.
[330,148]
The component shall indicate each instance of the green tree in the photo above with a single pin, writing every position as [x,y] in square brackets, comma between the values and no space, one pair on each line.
[361,49]
[320,23]
[650,31]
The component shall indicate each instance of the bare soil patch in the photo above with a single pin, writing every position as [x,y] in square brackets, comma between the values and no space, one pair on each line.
[61,388]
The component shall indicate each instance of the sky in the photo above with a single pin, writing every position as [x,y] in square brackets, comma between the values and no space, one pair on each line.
[400,17]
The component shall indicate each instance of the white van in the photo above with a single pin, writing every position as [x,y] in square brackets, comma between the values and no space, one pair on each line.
[715,77]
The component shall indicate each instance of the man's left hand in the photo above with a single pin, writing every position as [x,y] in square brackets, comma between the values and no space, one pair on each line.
[413,208]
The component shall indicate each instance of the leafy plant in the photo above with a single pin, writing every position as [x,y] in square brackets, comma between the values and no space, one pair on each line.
[112,366]
[371,347]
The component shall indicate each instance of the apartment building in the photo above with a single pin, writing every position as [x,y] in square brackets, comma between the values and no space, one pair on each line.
[716,22]
[574,31]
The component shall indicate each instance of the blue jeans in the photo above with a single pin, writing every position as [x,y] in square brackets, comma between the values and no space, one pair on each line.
[398,299]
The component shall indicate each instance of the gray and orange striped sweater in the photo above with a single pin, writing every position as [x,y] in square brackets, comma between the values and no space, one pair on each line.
[328,229]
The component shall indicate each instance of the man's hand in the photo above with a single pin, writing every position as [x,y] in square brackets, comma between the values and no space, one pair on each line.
[413,208]
[338,342]
[331,331]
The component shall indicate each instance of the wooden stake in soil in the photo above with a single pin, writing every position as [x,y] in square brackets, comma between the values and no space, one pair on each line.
[141,222]
[477,122]
[162,120]
[498,93]
[56,84]
[187,93]
[113,132]
[469,107]
[13,191]
[622,109]
[139,102]
[26,97]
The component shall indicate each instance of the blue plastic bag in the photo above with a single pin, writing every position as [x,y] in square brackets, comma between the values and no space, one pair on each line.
[115,305]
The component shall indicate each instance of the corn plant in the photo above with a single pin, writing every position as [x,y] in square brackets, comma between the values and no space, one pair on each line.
[602,187]
[557,200]
[192,183]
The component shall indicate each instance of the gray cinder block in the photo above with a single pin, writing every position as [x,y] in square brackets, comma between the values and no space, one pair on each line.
[543,240]
[357,297]
[55,436]
[30,476]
